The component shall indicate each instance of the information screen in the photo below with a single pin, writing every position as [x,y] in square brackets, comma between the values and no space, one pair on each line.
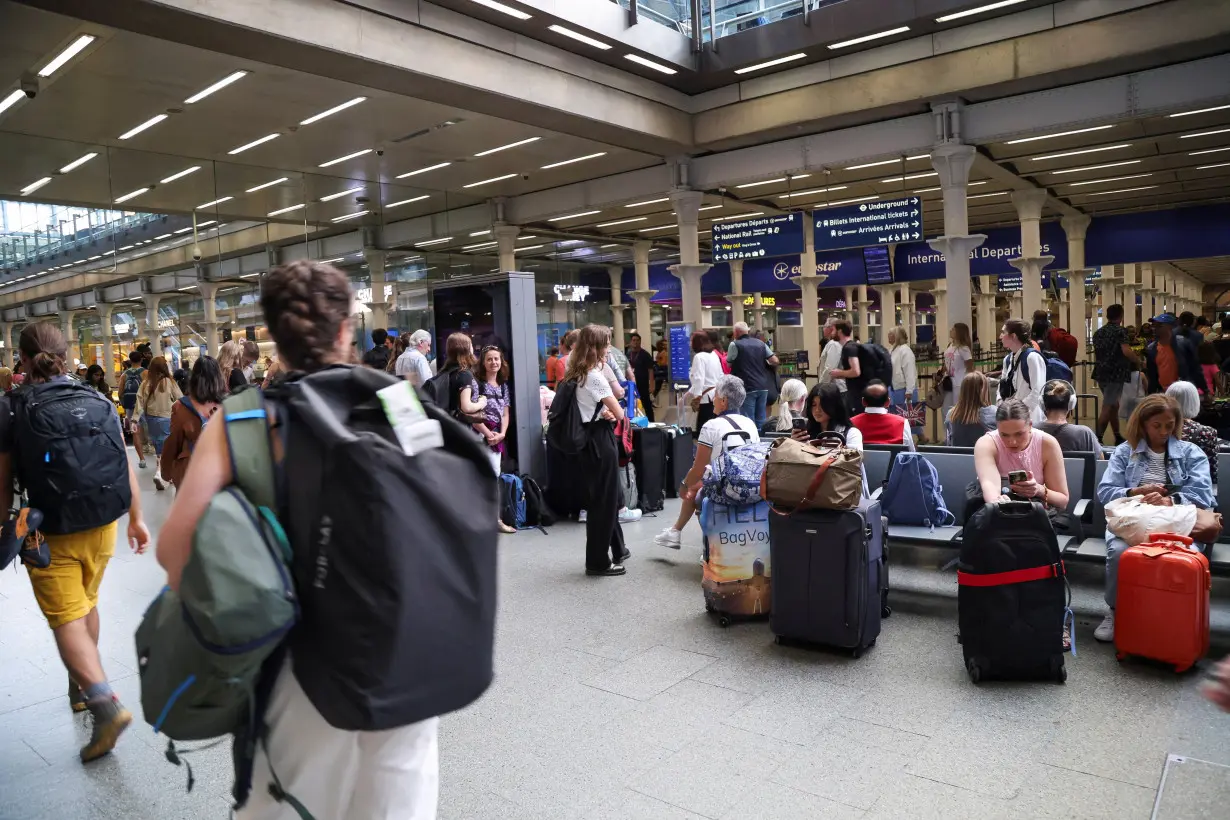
[757,237]
[879,267]
[679,343]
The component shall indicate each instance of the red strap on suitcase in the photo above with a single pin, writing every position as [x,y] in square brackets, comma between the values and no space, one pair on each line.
[1016,576]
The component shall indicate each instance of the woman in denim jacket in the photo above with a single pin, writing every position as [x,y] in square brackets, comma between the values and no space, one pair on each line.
[1152,457]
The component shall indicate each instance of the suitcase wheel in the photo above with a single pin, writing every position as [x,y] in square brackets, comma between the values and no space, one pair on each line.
[886,611]
[856,653]
[1062,676]
[1121,656]
[708,607]
[1179,670]
[975,674]
[724,621]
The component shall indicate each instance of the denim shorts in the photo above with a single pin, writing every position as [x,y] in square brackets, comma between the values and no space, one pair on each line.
[159,429]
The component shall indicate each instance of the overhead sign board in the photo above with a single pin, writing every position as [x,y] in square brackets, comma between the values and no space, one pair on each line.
[758,237]
[869,223]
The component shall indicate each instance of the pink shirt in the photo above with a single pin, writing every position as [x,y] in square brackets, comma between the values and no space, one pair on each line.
[1028,459]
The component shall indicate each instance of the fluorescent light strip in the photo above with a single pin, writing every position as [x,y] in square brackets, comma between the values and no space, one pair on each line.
[875,164]
[1120,191]
[11,100]
[150,123]
[180,175]
[1094,167]
[870,37]
[479,246]
[218,86]
[481,233]
[984,196]
[844,202]
[333,110]
[164,236]
[281,211]
[348,156]
[912,176]
[772,181]
[981,9]
[408,201]
[34,186]
[622,222]
[205,223]
[1108,179]
[570,161]
[1200,111]
[709,208]
[489,181]
[1209,151]
[339,194]
[738,216]
[526,238]
[659,228]
[432,242]
[604,247]
[331,261]
[1205,133]
[355,215]
[500,7]
[1060,134]
[77,163]
[1082,151]
[648,202]
[436,167]
[183,230]
[528,248]
[67,54]
[215,202]
[639,60]
[573,216]
[130,195]
[780,60]
[1207,167]
[268,184]
[813,191]
[580,38]
[516,144]
[253,144]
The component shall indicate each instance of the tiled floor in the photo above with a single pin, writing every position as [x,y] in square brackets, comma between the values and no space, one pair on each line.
[620,699]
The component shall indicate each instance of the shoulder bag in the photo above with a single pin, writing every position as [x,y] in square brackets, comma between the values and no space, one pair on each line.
[823,473]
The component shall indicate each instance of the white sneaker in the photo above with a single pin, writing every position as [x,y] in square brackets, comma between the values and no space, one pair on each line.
[627,516]
[1106,630]
[159,484]
[582,517]
[669,538]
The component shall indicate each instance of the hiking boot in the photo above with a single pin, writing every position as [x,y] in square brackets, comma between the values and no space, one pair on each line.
[110,721]
[1106,630]
[76,700]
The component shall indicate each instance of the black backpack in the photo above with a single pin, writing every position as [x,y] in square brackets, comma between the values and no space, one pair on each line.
[437,389]
[394,556]
[537,512]
[132,386]
[71,457]
[875,363]
[565,432]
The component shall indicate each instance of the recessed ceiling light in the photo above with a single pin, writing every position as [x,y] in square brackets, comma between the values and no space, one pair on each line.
[659,228]
[780,60]
[280,211]
[1207,167]
[408,201]
[34,186]
[348,156]
[622,222]
[180,175]
[254,143]
[127,247]
[489,151]
[912,176]
[481,233]
[218,86]
[573,216]
[1082,151]
[984,196]
[67,54]
[1205,133]
[1200,111]
[183,230]
[349,216]
[77,163]
[150,123]
[500,7]
[1208,151]
[990,7]
[488,181]
[821,205]
[772,181]
[581,38]
[813,191]
[870,37]
[1059,134]
[433,242]
[333,110]
[130,195]
[332,197]
[738,216]
[215,202]
[648,202]
[479,246]
[206,223]
[1095,167]
[570,161]
[1108,179]
[11,100]
[268,184]
[638,59]
[435,167]
[164,236]
[1120,191]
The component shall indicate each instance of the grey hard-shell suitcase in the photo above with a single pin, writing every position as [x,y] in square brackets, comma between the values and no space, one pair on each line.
[829,576]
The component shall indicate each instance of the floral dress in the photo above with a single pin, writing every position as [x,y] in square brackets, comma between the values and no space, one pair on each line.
[493,413]
[1205,438]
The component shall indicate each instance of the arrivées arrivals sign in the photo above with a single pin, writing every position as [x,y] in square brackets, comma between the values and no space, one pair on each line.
[758,237]
[868,223]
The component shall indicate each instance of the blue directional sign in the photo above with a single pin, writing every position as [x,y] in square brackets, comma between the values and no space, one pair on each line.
[869,223]
[758,237]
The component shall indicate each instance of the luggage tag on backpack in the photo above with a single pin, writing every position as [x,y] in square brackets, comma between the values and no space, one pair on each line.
[415,432]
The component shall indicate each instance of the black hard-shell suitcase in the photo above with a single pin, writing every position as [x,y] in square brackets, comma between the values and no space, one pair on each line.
[829,576]
[1012,594]
[679,455]
[649,461]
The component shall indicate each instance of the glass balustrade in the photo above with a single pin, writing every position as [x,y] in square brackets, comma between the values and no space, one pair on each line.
[29,230]
[721,18]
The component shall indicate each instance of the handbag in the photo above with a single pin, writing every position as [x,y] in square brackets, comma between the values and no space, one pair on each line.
[823,473]
[1208,527]
[1133,520]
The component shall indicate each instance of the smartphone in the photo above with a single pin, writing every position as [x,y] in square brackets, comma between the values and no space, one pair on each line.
[1173,489]
[1017,476]
[799,424]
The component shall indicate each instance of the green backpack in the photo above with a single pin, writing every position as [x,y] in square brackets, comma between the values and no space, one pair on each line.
[200,650]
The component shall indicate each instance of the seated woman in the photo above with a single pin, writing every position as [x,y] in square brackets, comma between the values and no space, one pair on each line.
[1153,462]
[827,413]
[1202,435]
[1015,446]
[1058,400]
[789,407]
[973,416]
[728,396]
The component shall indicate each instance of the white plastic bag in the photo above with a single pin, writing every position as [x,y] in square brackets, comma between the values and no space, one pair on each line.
[1132,520]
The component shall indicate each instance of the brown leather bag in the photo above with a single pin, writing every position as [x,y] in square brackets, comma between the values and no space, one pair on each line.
[824,473]
[1208,527]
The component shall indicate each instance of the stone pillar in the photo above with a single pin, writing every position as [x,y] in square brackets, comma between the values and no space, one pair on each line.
[988,331]
[849,293]
[1131,282]
[506,237]
[642,294]
[1031,261]
[906,300]
[689,270]
[809,307]
[209,298]
[758,311]
[152,334]
[736,286]
[378,305]
[6,335]
[1148,294]
[617,307]
[942,325]
[689,280]
[105,312]
[1076,228]
[864,314]
[953,162]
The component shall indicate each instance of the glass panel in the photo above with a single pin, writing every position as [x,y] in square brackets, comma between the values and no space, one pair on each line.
[676,14]
[734,16]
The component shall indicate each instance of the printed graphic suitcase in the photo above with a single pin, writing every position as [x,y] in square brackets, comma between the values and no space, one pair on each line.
[828,576]
[738,574]
[1162,607]
[649,457]
[1012,595]
[679,455]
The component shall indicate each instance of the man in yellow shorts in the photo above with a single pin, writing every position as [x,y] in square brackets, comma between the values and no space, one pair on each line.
[63,442]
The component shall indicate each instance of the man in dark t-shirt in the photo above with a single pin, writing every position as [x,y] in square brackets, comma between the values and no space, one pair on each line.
[849,367]
[378,357]
[642,370]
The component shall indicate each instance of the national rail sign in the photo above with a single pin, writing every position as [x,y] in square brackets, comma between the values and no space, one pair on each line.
[761,236]
[869,223]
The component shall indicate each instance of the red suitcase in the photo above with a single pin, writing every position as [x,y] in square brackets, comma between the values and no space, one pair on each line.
[1162,610]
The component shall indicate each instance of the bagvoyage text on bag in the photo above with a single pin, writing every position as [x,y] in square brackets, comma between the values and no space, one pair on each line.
[824,473]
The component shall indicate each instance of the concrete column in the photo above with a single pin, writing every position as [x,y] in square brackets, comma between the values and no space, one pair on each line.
[988,332]
[1131,281]
[105,313]
[953,162]
[736,296]
[942,325]
[506,237]
[888,312]
[849,293]
[687,208]
[864,314]
[209,298]
[1031,261]
[150,320]
[70,336]
[378,305]
[1076,228]
[906,300]
[642,294]
[808,283]
[689,279]
[1148,294]
[6,335]
[617,308]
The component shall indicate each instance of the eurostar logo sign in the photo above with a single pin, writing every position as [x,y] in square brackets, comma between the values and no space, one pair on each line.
[781,271]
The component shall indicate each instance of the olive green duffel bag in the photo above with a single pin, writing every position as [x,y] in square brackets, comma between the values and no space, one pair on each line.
[824,474]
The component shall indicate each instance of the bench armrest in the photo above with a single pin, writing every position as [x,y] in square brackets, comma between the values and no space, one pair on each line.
[1081,506]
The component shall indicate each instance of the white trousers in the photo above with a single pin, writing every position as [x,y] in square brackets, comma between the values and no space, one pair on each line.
[340,775]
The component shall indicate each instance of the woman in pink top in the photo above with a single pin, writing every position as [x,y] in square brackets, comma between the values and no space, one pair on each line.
[1016,446]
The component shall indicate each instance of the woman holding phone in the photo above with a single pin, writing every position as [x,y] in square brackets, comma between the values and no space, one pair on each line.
[1026,460]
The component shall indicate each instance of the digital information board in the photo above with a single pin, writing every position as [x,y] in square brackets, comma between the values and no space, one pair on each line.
[679,345]
[879,267]
[868,223]
[760,236]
